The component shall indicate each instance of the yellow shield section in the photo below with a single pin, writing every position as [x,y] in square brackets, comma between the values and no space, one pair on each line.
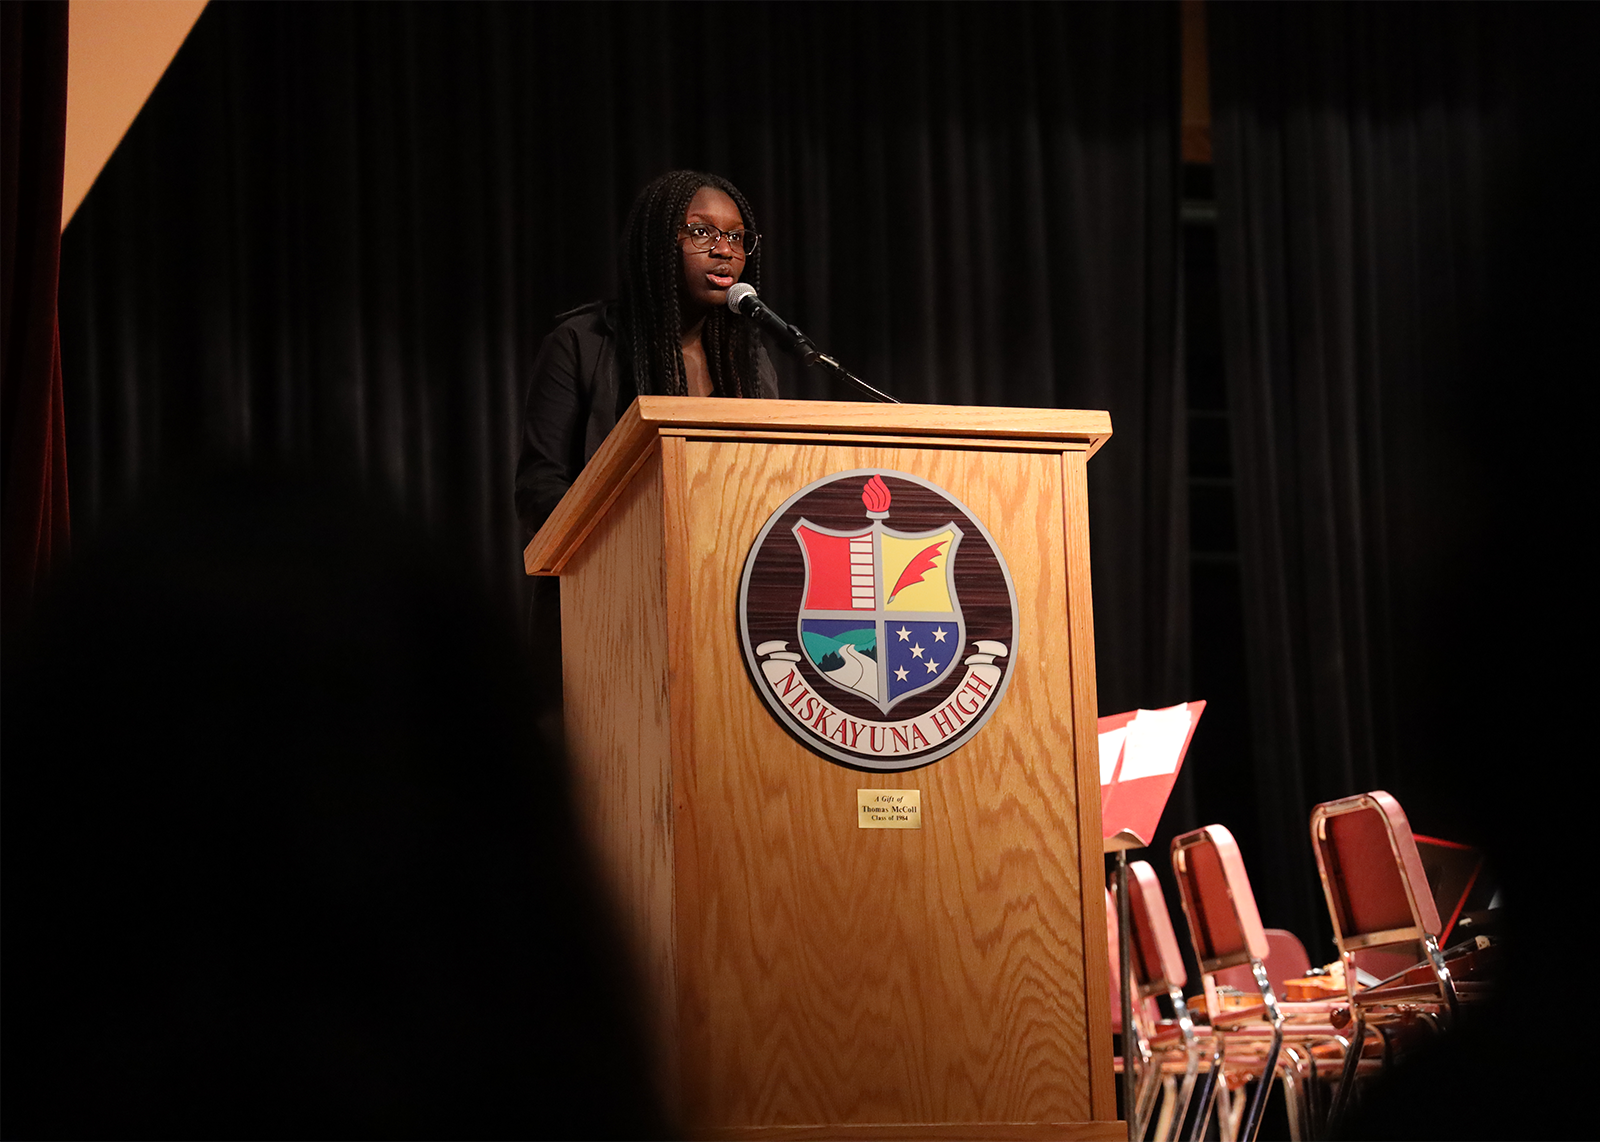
[914,574]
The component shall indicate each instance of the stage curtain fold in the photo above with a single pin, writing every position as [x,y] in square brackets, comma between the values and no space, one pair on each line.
[338,233]
[33,502]
[1364,155]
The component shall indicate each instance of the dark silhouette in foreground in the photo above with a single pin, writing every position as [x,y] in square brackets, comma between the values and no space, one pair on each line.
[282,857]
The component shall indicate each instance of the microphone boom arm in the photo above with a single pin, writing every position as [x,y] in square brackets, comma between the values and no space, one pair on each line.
[810,355]
[742,299]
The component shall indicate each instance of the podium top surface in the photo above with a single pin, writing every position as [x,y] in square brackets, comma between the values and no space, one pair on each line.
[649,417]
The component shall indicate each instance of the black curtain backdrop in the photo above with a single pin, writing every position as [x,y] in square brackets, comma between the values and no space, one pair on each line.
[1373,167]
[34,518]
[337,234]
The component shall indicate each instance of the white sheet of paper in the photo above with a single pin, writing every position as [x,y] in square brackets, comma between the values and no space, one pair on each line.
[1110,746]
[1155,742]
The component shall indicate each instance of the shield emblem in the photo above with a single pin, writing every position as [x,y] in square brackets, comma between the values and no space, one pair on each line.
[879,616]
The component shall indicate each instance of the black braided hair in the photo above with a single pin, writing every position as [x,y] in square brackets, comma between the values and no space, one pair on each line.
[649,322]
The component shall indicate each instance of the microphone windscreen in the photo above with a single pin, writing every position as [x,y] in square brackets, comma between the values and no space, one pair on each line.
[738,293]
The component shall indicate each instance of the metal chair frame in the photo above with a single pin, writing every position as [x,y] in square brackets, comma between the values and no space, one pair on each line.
[1291,1032]
[1377,1003]
[1250,949]
[1157,969]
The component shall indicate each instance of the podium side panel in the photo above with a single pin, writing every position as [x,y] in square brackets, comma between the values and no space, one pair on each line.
[1086,706]
[834,975]
[614,679]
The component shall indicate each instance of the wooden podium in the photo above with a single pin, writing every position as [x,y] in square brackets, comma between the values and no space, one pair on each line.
[810,978]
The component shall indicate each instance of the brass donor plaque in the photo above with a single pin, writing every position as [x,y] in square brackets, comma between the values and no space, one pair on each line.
[889,808]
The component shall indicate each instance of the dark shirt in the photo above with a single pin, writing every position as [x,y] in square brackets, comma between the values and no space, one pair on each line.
[574,401]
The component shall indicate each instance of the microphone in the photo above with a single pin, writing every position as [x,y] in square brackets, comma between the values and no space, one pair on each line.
[743,300]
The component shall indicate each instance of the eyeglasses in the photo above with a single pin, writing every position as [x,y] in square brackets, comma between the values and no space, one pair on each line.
[704,236]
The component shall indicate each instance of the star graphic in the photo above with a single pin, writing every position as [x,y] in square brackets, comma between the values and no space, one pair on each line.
[916,652]
[900,674]
[903,633]
[938,635]
[933,667]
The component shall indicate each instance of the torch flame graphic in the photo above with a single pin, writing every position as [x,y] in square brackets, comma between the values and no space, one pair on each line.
[875,496]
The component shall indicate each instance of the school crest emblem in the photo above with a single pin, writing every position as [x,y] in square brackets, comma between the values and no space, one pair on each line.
[877,619]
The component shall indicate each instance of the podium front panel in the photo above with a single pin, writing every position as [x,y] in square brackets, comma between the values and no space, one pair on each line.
[830,973]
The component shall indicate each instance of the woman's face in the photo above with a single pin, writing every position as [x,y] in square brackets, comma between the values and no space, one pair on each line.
[708,274]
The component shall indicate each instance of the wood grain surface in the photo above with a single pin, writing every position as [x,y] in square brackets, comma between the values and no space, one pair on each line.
[809,978]
[898,440]
[614,682]
[1086,731]
[1061,425]
[639,428]
[833,975]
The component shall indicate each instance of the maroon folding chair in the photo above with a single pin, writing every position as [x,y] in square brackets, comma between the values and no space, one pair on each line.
[1157,970]
[1383,916]
[1137,1049]
[1266,1040]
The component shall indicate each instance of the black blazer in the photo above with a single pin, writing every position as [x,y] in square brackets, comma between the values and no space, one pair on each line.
[574,400]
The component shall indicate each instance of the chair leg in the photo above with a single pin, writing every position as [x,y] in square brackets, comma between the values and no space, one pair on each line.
[1208,1093]
[1258,1103]
[1347,1079]
[1169,1096]
[1313,1096]
[1185,1092]
[1447,983]
[1294,1095]
[1148,1086]
[1235,1113]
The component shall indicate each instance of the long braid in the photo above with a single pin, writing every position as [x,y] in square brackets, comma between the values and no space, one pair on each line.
[740,337]
[652,277]
[671,284]
[714,335]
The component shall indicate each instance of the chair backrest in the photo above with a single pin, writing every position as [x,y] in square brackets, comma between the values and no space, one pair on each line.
[1114,953]
[1156,961]
[1218,903]
[1372,878]
[1146,1007]
[1286,960]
